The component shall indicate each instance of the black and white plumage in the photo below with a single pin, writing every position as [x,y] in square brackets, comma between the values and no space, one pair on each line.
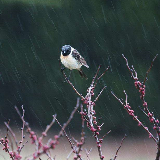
[72,59]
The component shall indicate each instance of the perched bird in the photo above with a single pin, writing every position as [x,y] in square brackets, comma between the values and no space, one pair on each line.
[72,59]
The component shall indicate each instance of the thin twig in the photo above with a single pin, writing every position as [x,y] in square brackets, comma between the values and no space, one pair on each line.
[119,147]
[131,70]
[70,118]
[69,154]
[8,136]
[23,145]
[22,134]
[7,129]
[48,127]
[106,134]
[22,118]
[12,133]
[87,153]
[126,107]
[101,76]
[100,93]
[63,130]
[82,141]
[117,98]
[149,69]
[96,74]
[66,78]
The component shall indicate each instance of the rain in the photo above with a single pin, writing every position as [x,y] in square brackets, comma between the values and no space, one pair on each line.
[32,82]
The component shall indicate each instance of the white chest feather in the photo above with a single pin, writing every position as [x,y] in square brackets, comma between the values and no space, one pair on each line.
[70,62]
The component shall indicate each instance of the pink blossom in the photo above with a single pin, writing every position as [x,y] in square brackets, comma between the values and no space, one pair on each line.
[92,129]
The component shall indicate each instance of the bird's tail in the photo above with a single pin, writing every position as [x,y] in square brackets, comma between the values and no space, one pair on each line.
[82,73]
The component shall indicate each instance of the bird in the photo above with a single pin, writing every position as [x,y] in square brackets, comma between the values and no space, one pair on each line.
[72,59]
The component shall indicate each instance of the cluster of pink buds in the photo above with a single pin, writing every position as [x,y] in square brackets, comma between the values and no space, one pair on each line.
[96,129]
[92,123]
[5,144]
[45,148]
[83,114]
[54,142]
[77,156]
[150,115]
[145,105]
[129,110]
[15,155]
[99,142]
[151,118]
[32,136]
[141,87]
[127,107]
[78,149]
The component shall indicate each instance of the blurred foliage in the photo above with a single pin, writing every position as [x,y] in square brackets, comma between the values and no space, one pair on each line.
[31,35]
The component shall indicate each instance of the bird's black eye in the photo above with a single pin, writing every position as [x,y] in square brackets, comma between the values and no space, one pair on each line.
[67,52]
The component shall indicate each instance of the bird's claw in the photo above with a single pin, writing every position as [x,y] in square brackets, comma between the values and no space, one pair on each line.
[62,69]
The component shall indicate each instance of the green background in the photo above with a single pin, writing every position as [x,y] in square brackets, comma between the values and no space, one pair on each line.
[31,36]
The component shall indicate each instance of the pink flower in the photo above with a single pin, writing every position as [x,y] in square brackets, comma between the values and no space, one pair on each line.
[85,102]
[80,143]
[145,104]
[44,134]
[102,156]
[45,148]
[136,83]
[99,145]
[151,120]
[97,133]
[157,121]
[98,128]
[56,137]
[100,140]
[92,129]
[154,127]
[149,114]
[146,128]
[150,135]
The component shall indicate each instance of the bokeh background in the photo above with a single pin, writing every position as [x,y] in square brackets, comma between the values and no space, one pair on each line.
[32,33]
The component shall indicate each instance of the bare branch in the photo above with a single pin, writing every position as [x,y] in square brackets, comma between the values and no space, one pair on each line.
[22,134]
[67,80]
[101,76]
[12,133]
[149,69]
[87,153]
[117,98]
[69,154]
[119,147]
[131,113]
[132,71]
[96,74]
[100,94]
[63,130]
[48,127]
[106,134]
[70,118]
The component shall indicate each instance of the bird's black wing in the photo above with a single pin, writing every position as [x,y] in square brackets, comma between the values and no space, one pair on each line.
[79,58]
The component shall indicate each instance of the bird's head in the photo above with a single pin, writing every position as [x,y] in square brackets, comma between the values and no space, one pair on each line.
[66,50]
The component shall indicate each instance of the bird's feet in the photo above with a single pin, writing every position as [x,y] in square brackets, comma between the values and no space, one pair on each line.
[62,69]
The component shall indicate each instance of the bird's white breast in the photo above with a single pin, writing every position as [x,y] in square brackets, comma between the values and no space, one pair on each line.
[70,62]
